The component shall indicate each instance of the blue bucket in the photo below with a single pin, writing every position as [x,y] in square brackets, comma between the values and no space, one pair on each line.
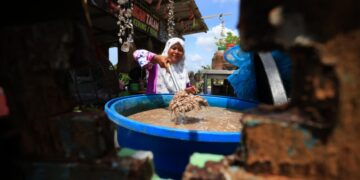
[171,147]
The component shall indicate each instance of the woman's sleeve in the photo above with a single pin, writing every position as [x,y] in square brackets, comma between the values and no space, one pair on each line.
[144,57]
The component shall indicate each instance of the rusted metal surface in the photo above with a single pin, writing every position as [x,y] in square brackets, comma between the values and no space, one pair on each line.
[315,136]
[309,138]
[286,149]
[229,168]
[324,103]
[265,24]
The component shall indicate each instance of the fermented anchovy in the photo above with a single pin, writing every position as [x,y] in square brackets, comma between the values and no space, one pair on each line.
[184,102]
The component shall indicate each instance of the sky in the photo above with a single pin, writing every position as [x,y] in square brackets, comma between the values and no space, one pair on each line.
[200,47]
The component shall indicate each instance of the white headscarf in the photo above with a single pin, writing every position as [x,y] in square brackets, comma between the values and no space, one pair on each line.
[165,83]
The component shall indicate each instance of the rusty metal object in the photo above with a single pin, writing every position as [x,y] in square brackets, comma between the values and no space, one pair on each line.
[313,137]
[323,108]
[277,89]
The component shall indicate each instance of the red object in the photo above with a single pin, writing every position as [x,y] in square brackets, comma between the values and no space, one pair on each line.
[113,7]
[228,46]
[4,110]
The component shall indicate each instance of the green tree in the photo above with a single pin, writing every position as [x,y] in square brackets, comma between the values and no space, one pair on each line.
[206,67]
[230,38]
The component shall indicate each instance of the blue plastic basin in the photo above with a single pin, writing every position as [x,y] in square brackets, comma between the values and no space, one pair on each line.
[171,147]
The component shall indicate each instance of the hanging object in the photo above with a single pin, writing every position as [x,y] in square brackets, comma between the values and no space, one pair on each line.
[126,28]
[222,25]
[171,18]
[125,47]
[222,21]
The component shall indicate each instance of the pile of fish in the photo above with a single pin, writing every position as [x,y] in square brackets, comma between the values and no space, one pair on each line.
[184,102]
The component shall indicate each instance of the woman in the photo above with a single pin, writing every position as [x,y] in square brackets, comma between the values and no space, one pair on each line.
[159,79]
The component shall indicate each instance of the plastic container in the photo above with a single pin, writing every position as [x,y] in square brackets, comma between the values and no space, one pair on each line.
[171,147]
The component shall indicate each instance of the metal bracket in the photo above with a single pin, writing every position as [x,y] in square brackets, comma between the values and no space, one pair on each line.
[272,73]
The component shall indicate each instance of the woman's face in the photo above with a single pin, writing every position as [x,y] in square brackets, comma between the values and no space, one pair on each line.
[175,53]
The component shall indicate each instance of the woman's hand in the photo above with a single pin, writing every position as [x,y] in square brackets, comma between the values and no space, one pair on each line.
[163,61]
[191,90]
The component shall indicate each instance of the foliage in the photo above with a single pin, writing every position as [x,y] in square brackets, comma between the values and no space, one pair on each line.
[230,38]
[124,77]
[206,67]
[123,93]
[199,81]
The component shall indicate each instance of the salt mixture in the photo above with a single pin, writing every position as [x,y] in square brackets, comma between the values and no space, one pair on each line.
[206,119]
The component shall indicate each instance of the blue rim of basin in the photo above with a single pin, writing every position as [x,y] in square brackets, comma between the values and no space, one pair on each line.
[168,132]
